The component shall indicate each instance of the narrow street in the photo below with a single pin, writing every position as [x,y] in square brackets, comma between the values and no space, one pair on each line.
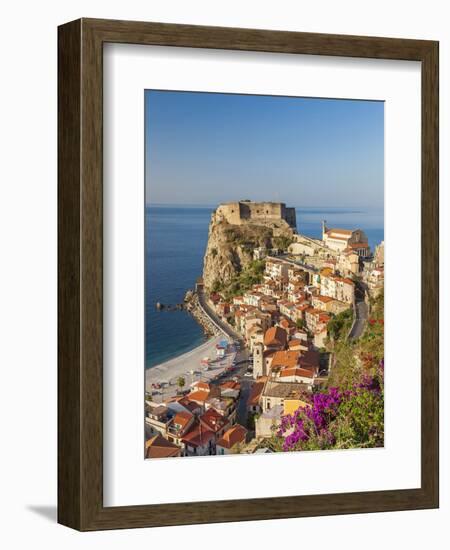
[361,313]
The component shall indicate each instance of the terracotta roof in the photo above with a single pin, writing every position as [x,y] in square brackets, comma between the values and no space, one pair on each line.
[297,342]
[274,388]
[324,318]
[213,420]
[231,437]
[182,418]
[285,359]
[324,299]
[275,336]
[198,396]
[358,245]
[199,436]
[286,323]
[310,358]
[255,394]
[297,371]
[188,404]
[204,386]
[314,311]
[159,447]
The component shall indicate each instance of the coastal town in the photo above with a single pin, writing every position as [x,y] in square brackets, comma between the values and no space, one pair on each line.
[273,323]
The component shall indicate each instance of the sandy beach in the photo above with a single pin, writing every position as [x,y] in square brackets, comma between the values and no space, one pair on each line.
[167,373]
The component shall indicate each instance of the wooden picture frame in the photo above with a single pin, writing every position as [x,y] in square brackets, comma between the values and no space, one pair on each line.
[80,272]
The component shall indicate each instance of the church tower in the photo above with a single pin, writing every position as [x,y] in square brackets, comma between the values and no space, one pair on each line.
[324,229]
[258,360]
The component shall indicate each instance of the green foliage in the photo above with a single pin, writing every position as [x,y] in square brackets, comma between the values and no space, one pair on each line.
[340,324]
[299,323]
[243,281]
[336,419]
[216,286]
[354,359]
[214,252]
[283,242]
[361,421]
[181,382]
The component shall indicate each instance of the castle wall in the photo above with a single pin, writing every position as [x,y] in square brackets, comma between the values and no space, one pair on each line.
[237,213]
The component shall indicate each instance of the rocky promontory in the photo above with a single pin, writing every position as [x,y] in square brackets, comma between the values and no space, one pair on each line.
[230,246]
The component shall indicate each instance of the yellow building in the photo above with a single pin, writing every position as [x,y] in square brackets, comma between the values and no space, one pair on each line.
[292,405]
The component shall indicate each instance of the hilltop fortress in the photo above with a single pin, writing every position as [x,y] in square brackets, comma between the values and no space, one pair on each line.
[236,230]
[261,213]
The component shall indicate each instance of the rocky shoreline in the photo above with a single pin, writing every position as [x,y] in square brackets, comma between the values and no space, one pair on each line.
[192,305]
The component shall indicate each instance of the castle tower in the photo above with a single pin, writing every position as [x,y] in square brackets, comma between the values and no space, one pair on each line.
[258,360]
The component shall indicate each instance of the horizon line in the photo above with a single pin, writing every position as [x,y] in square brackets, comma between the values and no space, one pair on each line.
[356,209]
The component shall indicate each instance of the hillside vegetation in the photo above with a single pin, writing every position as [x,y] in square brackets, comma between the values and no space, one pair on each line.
[349,412]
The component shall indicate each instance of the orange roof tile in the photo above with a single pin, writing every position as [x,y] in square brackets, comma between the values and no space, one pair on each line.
[255,394]
[204,386]
[182,418]
[231,437]
[324,299]
[198,437]
[275,336]
[310,358]
[285,359]
[159,447]
[297,371]
[198,396]
[213,420]
[297,342]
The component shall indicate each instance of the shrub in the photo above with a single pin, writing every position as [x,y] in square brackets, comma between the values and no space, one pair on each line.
[338,419]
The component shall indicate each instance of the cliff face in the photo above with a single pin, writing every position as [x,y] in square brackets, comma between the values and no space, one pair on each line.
[230,247]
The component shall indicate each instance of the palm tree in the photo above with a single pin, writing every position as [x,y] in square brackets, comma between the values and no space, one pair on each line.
[181,382]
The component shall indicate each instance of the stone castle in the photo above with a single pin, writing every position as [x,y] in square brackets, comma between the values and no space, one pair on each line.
[243,212]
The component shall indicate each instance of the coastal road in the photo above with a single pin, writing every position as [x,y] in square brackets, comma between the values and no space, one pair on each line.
[361,311]
[225,327]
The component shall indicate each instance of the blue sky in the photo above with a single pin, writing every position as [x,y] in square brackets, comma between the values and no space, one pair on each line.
[204,148]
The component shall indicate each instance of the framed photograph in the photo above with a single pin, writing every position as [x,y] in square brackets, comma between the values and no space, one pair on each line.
[248,274]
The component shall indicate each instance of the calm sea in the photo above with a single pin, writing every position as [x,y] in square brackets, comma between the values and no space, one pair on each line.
[175,243]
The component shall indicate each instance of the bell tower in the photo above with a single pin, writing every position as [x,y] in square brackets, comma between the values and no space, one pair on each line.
[258,360]
[324,229]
